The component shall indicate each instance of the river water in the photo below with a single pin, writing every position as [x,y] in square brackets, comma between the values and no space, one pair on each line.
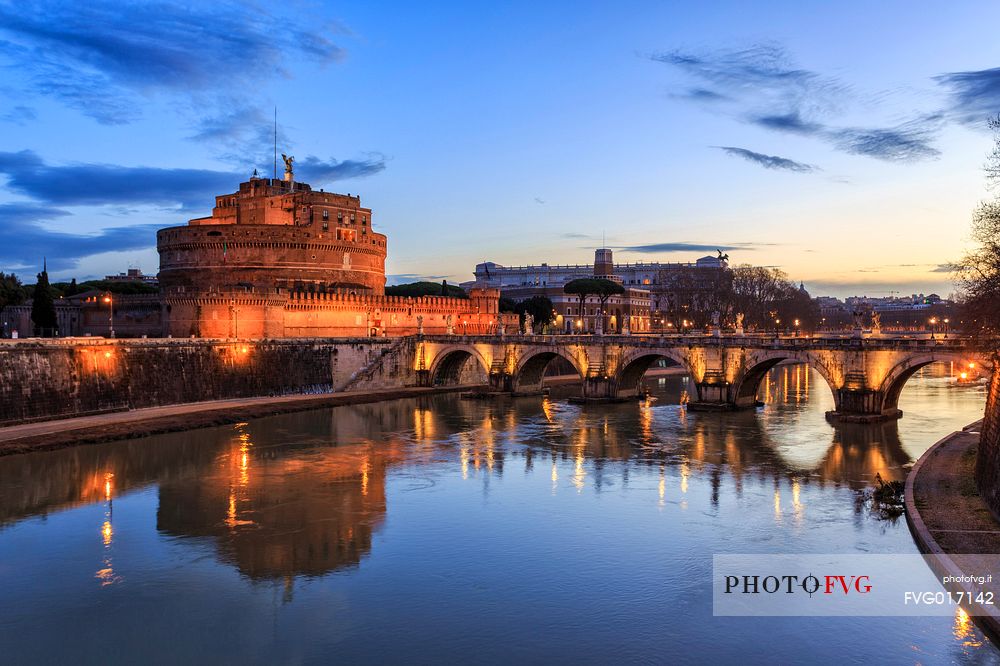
[437,529]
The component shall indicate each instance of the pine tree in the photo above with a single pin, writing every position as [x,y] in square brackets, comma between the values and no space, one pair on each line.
[43,307]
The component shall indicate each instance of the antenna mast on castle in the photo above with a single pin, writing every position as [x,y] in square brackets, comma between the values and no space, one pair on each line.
[275,176]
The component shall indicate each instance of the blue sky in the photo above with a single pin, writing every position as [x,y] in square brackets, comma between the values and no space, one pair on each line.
[842,142]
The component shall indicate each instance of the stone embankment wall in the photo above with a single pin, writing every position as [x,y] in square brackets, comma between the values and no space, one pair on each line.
[988,459]
[46,379]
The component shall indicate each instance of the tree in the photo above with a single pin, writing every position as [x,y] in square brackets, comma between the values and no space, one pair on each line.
[603,289]
[756,292]
[12,292]
[539,307]
[43,307]
[507,304]
[978,272]
[417,289]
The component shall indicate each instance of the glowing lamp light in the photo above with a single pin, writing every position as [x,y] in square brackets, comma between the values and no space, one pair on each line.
[964,375]
[244,350]
[107,354]
[107,299]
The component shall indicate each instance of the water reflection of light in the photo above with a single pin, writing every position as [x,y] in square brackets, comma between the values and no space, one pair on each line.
[547,409]
[579,472]
[964,630]
[423,424]
[555,476]
[798,383]
[365,468]
[646,419]
[777,504]
[663,486]
[463,456]
[797,505]
[231,511]
[106,573]
[685,473]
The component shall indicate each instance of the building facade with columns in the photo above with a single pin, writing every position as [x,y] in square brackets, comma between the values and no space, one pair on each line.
[279,259]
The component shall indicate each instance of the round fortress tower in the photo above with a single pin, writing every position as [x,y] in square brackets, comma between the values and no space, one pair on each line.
[230,274]
[276,234]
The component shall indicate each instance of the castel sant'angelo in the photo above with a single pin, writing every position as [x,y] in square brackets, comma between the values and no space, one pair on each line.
[279,259]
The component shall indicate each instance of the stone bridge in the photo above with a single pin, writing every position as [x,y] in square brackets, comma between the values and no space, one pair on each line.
[865,374]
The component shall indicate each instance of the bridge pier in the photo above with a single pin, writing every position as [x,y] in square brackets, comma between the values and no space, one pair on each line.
[506,384]
[600,389]
[861,405]
[715,394]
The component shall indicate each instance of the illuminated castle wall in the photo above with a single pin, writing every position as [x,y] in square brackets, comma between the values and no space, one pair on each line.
[278,259]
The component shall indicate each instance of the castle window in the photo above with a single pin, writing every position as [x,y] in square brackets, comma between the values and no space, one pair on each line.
[326,215]
[364,219]
[352,218]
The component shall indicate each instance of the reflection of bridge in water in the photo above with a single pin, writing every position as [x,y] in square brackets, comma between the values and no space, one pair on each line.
[865,374]
[304,494]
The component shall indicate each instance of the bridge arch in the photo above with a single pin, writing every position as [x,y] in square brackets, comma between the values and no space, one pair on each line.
[747,382]
[635,365]
[530,368]
[449,364]
[894,382]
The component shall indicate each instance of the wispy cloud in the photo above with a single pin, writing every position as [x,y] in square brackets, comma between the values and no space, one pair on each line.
[101,57]
[909,142]
[323,171]
[761,85]
[974,96]
[112,184]
[101,184]
[405,278]
[769,161]
[653,248]
[24,241]
[19,115]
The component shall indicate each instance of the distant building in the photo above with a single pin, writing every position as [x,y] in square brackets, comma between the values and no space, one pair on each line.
[133,275]
[659,295]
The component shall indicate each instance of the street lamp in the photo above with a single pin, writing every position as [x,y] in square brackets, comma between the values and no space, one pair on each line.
[111,314]
[933,324]
[796,328]
[946,327]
